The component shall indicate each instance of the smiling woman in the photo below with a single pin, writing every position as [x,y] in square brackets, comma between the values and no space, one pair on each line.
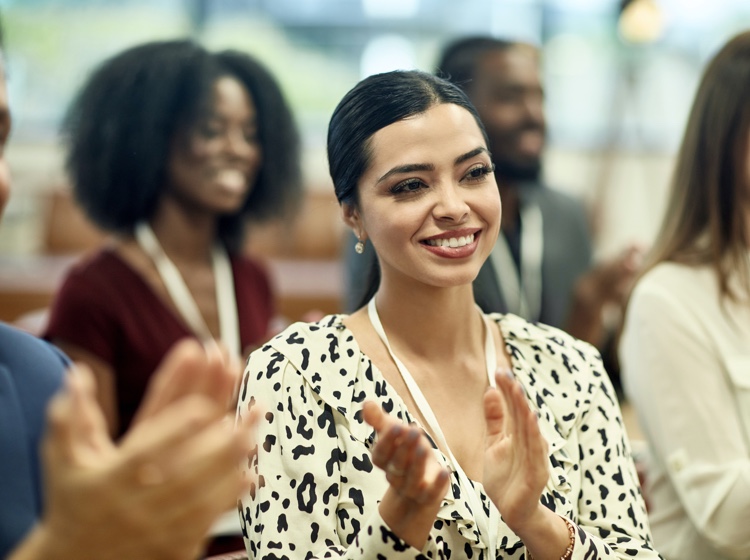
[440,192]
[493,437]
[173,149]
[214,162]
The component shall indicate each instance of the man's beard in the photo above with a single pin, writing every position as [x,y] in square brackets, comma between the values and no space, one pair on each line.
[521,172]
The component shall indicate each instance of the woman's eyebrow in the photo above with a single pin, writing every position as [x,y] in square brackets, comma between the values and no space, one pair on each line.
[468,155]
[408,168]
[411,167]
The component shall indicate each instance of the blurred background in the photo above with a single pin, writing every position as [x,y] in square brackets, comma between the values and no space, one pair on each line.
[619,77]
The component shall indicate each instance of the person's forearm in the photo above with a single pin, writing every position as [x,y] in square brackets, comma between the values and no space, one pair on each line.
[412,524]
[546,535]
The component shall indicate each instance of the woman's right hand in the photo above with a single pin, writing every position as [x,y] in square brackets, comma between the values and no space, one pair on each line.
[417,481]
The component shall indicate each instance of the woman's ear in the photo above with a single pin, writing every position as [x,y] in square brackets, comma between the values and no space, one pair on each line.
[351,217]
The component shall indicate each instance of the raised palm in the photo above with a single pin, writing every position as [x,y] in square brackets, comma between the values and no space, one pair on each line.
[515,458]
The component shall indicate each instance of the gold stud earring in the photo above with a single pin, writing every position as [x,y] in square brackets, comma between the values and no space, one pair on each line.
[359,247]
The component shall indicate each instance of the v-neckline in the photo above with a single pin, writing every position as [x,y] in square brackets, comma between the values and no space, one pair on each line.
[149,289]
[399,401]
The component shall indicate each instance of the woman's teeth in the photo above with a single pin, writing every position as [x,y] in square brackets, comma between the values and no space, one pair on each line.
[451,242]
[232,179]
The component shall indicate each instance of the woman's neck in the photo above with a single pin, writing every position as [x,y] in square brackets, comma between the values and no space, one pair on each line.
[431,321]
[184,236]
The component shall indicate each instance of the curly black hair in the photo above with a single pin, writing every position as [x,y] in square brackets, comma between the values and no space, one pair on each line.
[121,125]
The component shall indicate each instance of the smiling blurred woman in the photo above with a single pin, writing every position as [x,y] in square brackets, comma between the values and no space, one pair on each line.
[173,149]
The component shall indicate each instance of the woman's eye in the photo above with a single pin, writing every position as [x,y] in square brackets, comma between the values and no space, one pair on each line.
[479,172]
[410,186]
[209,130]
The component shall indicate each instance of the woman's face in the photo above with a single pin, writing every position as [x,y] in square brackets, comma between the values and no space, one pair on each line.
[428,201]
[213,164]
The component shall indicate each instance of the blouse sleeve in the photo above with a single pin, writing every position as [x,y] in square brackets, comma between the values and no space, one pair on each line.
[675,381]
[612,515]
[292,509]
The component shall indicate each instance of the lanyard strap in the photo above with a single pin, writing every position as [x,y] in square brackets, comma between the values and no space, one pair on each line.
[183,299]
[487,526]
[522,292]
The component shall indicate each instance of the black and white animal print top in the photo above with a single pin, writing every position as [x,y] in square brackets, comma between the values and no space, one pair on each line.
[317,491]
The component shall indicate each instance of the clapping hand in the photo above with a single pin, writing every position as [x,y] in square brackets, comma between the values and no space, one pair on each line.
[515,459]
[417,482]
[156,493]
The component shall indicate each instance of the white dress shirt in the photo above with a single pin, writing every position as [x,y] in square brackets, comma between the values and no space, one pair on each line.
[685,356]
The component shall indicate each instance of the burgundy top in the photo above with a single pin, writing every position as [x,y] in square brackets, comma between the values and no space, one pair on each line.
[105,307]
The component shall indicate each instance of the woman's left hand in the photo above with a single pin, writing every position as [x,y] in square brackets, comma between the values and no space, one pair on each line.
[515,458]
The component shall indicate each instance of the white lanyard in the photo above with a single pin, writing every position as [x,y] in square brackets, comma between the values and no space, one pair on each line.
[183,299]
[523,295]
[487,526]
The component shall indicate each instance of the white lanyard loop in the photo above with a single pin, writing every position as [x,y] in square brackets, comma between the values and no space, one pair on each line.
[487,526]
[523,295]
[183,299]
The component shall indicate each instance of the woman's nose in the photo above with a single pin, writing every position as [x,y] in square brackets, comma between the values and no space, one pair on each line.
[451,205]
[238,145]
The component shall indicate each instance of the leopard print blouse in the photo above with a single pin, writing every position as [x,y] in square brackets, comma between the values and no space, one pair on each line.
[317,491]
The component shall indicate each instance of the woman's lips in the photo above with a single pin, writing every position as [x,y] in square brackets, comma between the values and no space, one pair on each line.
[456,247]
[458,241]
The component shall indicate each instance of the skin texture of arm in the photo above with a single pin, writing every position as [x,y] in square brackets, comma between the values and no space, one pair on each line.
[156,493]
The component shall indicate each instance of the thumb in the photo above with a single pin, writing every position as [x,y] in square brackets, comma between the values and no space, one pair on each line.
[374,415]
[494,412]
[59,433]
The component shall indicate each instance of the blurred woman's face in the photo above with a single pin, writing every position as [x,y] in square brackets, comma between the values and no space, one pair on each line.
[429,201]
[215,162]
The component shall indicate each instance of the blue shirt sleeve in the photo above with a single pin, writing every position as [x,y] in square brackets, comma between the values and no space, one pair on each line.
[31,372]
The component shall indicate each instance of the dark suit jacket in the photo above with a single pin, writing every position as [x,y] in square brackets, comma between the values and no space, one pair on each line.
[567,255]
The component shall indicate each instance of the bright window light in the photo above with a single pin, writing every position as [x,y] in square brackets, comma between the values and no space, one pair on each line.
[393,9]
[385,53]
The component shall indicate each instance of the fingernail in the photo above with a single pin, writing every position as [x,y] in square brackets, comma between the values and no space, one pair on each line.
[504,372]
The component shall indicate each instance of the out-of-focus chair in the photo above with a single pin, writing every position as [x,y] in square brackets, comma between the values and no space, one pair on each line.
[301,254]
